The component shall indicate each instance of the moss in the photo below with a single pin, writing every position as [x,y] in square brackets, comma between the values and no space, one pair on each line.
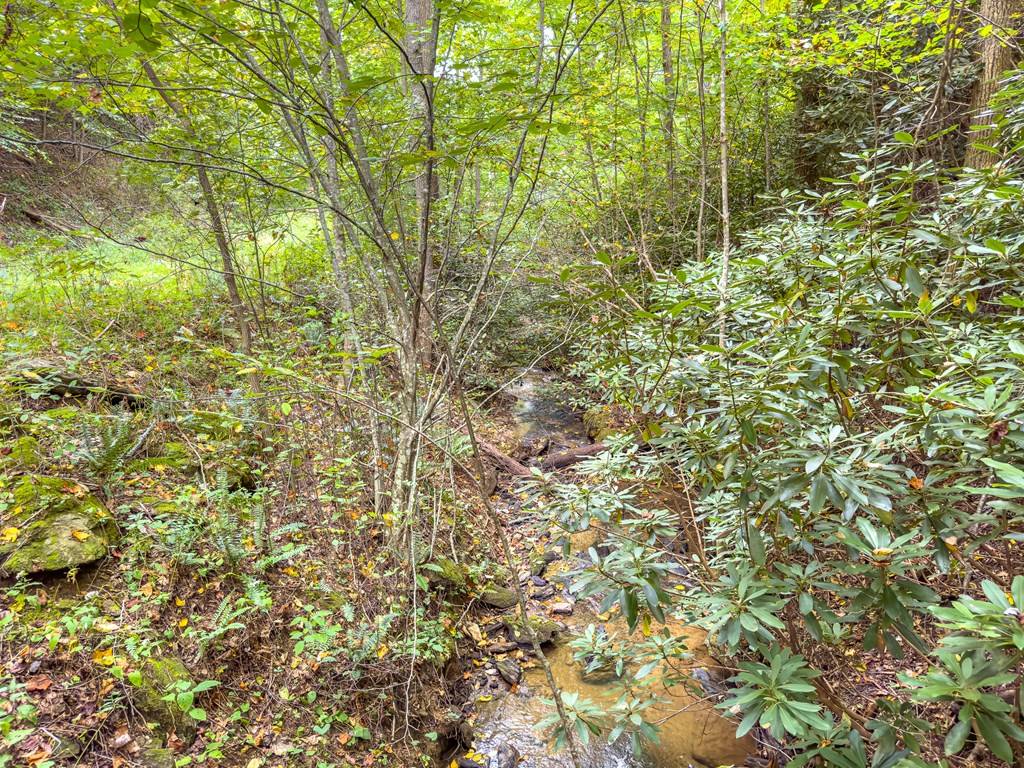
[498,597]
[158,675]
[546,630]
[25,452]
[445,571]
[59,526]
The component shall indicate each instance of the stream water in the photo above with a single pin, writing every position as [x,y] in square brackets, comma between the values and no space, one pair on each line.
[691,732]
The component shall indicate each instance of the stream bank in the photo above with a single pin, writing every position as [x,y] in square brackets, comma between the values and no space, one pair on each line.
[514,697]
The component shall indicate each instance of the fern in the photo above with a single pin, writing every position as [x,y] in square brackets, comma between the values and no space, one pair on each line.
[106,447]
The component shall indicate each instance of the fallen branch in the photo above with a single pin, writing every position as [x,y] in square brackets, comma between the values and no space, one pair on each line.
[43,220]
[48,375]
[560,460]
[504,461]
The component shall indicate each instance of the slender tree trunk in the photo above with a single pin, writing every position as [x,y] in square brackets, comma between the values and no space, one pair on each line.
[421,47]
[702,118]
[669,114]
[766,124]
[213,211]
[723,145]
[997,56]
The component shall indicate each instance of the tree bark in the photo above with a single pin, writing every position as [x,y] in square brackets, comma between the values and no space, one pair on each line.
[421,49]
[213,211]
[669,113]
[723,144]
[997,56]
[702,118]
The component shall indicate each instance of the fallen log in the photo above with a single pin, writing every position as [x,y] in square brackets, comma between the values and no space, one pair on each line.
[49,376]
[503,460]
[560,460]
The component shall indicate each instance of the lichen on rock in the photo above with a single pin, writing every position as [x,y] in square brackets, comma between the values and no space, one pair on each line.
[54,524]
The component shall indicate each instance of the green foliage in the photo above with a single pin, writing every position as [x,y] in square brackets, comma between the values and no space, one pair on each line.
[845,456]
[779,696]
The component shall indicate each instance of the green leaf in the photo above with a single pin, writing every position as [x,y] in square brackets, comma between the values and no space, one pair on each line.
[957,737]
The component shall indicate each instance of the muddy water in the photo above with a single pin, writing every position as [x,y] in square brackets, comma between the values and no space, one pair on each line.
[691,731]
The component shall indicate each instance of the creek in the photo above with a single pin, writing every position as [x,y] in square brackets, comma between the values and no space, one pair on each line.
[691,731]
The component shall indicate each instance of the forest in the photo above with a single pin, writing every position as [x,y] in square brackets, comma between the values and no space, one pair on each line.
[512,383]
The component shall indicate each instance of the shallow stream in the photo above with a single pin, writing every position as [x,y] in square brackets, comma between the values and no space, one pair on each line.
[692,733]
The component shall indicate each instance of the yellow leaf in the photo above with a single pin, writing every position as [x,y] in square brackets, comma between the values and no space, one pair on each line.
[146,589]
[972,302]
[179,602]
[291,571]
[183,623]
[382,652]
[103,657]
[80,535]
[9,535]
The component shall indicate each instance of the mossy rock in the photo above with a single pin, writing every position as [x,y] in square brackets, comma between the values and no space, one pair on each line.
[601,422]
[57,525]
[446,572]
[152,755]
[498,597]
[158,676]
[546,630]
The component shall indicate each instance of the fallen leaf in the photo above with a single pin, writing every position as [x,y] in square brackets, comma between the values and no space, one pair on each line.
[183,623]
[9,535]
[80,535]
[38,683]
[103,656]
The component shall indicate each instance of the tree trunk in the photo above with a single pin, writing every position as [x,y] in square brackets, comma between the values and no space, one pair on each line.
[669,113]
[420,48]
[702,118]
[213,210]
[997,56]
[723,145]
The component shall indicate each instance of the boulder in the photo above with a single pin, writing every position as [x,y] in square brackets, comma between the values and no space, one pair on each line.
[498,597]
[509,670]
[546,630]
[55,524]
[158,676]
[446,572]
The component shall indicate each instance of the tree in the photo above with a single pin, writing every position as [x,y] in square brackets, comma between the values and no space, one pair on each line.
[1000,22]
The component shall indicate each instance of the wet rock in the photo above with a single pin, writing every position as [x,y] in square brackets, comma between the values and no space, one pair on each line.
[158,676]
[537,581]
[543,593]
[509,670]
[507,757]
[501,647]
[498,597]
[59,525]
[545,630]
[468,762]
[540,561]
[561,609]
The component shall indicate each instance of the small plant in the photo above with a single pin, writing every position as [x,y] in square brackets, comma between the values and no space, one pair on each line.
[183,695]
[970,681]
[779,696]
[106,447]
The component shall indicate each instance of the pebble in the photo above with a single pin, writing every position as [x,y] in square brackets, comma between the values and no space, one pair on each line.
[561,609]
